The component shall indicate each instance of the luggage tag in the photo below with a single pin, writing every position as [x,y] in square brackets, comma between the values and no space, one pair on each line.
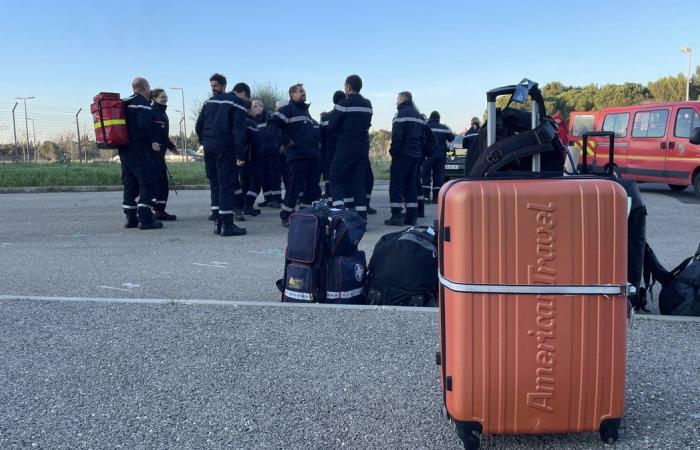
[522,91]
[520,95]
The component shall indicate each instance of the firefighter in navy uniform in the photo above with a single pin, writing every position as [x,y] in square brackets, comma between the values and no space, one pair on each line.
[328,142]
[351,121]
[140,174]
[221,129]
[407,137]
[246,174]
[161,130]
[299,134]
[266,147]
[471,135]
[434,166]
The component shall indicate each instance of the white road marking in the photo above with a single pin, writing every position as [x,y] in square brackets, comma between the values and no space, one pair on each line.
[234,303]
[114,288]
[269,251]
[211,265]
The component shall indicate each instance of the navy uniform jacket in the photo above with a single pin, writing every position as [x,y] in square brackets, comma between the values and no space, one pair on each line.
[223,123]
[296,125]
[470,137]
[352,119]
[139,122]
[267,141]
[328,137]
[161,127]
[429,142]
[407,132]
[443,135]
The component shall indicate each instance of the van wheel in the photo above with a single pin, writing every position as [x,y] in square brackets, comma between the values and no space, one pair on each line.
[677,187]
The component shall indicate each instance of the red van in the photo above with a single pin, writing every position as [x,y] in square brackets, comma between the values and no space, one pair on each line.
[652,143]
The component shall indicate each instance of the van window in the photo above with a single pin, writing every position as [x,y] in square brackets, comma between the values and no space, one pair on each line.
[617,123]
[686,120]
[581,124]
[650,123]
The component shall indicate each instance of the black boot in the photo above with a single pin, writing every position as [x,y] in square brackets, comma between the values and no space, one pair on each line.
[214,214]
[162,215]
[371,211]
[228,228]
[146,221]
[250,211]
[396,219]
[132,220]
[410,218]
[421,209]
[217,225]
[238,215]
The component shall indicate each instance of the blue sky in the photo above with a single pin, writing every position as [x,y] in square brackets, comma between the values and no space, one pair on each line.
[447,53]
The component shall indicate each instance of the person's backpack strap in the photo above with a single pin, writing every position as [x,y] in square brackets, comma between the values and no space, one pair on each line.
[528,143]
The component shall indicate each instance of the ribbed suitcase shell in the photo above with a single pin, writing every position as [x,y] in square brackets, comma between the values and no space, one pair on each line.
[530,364]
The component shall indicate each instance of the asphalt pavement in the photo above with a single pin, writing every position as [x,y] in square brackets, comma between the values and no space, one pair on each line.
[79,374]
[73,244]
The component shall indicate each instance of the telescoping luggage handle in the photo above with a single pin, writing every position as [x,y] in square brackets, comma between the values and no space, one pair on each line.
[525,289]
[519,94]
[611,152]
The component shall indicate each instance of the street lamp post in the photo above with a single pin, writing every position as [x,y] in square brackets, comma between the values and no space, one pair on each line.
[184,119]
[26,124]
[77,129]
[179,131]
[687,50]
[14,128]
[36,157]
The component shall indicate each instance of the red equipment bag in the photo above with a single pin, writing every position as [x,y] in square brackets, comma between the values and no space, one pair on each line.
[109,116]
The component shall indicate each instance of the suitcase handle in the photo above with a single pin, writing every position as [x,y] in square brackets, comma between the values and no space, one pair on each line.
[538,110]
[611,151]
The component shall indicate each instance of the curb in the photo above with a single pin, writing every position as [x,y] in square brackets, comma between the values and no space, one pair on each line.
[234,303]
[278,304]
[44,189]
[380,185]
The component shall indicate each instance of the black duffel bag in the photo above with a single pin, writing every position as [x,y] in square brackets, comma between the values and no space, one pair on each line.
[403,269]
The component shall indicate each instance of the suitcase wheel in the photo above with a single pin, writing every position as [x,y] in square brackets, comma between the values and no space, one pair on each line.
[610,430]
[469,433]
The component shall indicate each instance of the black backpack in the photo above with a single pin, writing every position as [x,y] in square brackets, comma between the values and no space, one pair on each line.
[515,141]
[680,287]
[636,242]
[322,263]
[403,269]
[307,240]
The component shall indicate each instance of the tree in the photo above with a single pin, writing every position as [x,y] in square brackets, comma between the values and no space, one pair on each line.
[268,93]
[668,89]
[380,141]
[49,150]
[620,95]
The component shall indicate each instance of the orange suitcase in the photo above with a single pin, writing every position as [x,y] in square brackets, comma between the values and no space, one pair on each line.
[533,305]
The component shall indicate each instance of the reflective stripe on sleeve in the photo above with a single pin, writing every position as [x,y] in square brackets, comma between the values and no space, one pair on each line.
[362,109]
[409,119]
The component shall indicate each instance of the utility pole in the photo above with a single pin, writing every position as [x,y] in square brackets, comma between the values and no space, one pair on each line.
[26,125]
[77,129]
[14,128]
[687,50]
[184,119]
[36,157]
